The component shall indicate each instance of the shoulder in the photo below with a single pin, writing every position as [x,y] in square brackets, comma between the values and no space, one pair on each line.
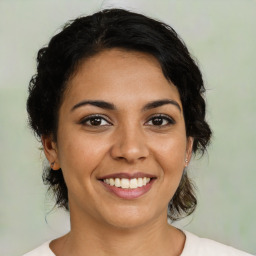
[42,250]
[196,246]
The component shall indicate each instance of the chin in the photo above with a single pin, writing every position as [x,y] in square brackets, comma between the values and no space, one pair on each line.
[128,217]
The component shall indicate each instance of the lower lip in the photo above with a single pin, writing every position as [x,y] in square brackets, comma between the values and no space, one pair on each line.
[129,193]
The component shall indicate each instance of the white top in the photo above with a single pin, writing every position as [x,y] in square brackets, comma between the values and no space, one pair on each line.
[194,246]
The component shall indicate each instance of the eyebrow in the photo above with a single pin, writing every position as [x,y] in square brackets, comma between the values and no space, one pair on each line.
[97,103]
[159,103]
[110,106]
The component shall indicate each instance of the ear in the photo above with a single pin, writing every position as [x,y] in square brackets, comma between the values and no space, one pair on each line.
[189,149]
[50,151]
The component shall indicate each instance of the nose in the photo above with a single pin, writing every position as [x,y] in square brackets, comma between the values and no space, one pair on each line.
[129,145]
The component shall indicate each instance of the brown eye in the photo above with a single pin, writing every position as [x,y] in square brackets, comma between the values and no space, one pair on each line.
[160,120]
[157,121]
[95,121]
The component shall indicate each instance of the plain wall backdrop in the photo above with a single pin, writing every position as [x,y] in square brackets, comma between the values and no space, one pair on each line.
[222,37]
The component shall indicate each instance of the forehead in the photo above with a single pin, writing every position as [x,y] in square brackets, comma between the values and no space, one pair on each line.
[118,75]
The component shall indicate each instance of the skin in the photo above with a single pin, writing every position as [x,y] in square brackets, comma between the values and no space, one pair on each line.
[125,140]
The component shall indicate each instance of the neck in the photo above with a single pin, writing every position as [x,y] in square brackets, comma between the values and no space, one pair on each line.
[90,237]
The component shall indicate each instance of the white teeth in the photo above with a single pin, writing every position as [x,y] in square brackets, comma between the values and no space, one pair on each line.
[117,182]
[140,182]
[127,183]
[111,182]
[133,183]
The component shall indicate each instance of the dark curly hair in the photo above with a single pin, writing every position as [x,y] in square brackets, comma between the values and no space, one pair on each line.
[117,28]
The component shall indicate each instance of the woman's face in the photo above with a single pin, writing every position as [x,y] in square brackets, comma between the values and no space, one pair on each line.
[121,141]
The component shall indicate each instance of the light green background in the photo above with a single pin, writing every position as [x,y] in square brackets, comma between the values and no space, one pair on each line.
[222,36]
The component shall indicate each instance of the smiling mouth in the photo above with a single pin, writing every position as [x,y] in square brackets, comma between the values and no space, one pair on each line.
[127,183]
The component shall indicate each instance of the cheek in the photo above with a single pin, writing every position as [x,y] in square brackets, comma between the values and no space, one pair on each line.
[170,155]
[171,150]
[79,155]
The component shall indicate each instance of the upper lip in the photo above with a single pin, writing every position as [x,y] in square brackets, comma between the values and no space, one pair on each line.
[127,175]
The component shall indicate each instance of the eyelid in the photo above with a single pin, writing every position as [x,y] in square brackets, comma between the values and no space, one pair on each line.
[164,116]
[87,118]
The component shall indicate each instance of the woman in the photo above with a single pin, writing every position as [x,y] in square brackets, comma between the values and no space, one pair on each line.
[118,104]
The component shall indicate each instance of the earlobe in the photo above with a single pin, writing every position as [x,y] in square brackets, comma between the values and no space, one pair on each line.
[50,151]
[190,141]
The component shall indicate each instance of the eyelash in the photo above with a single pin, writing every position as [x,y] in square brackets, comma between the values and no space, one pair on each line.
[163,117]
[93,117]
[166,118]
